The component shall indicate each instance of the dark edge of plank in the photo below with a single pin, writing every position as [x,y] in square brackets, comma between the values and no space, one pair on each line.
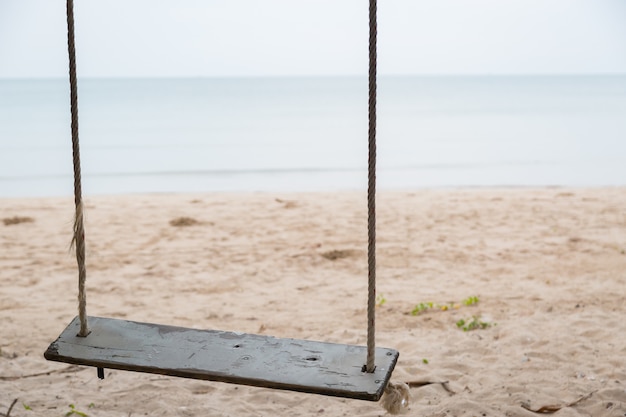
[52,354]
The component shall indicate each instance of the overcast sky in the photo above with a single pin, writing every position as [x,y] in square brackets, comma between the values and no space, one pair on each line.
[313,37]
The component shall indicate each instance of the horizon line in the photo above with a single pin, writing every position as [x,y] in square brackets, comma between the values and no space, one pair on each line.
[300,76]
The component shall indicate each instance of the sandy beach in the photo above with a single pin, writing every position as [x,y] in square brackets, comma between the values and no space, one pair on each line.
[540,272]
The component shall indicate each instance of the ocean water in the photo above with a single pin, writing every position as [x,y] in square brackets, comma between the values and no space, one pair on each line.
[310,134]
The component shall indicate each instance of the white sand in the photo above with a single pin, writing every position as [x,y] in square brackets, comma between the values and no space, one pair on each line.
[548,266]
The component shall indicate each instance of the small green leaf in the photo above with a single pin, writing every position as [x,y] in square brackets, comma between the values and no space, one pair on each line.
[380,300]
[425,361]
[469,301]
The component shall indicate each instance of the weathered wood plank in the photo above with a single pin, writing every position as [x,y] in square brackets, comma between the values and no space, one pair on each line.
[239,358]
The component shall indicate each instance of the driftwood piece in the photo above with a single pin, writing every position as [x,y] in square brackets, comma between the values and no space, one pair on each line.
[553,408]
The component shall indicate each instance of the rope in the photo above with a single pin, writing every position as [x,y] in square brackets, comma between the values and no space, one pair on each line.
[371,196]
[79,227]
[397,396]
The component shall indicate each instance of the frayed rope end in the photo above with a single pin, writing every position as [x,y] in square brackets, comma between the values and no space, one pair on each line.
[396,398]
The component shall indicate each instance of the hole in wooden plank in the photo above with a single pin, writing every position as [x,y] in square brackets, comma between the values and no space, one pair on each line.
[312,358]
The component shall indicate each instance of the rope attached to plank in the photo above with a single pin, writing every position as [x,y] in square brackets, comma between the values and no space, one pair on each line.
[370,365]
[397,396]
[79,226]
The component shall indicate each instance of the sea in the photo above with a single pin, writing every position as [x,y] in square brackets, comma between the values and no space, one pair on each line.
[310,134]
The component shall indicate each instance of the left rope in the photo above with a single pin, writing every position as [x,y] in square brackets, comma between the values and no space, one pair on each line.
[79,226]
[370,364]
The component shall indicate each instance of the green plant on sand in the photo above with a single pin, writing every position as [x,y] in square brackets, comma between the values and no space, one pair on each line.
[472,324]
[380,300]
[422,307]
[74,412]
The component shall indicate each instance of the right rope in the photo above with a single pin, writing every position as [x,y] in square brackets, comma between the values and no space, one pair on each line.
[396,396]
[371,196]
[79,227]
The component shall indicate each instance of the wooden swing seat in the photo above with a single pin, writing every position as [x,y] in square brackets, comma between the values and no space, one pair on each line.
[239,358]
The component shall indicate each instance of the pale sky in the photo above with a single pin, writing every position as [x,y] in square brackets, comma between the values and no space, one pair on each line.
[131,38]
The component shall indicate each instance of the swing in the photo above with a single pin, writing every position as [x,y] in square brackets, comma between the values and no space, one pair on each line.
[359,372]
